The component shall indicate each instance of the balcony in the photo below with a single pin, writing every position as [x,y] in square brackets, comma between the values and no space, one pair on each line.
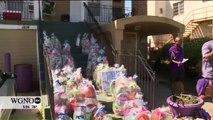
[17,10]
[106,13]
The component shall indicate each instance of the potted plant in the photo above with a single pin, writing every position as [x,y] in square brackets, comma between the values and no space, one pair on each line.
[4,76]
[184,105]
[48,7]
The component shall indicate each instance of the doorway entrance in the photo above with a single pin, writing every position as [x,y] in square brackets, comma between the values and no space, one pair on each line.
[129,43]
[129,48]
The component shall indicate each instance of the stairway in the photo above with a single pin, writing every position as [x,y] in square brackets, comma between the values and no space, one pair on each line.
[189,28]
[194,17]
[79,59]
[69,31]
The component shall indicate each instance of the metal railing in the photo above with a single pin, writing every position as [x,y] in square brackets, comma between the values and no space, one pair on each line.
[16,10]
[199,14]
[137,64]
[104,43]
[134,62]
[106,13]
[49,84]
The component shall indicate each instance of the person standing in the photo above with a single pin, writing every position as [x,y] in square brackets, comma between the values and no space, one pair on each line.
[176,56]
[207,71]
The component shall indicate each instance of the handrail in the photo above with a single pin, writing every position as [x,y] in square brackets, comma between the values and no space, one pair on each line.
[108,13]
[49,84]
[191,14]
[151,74]
[140,56]
[145,61]
[101,30]
[145,73]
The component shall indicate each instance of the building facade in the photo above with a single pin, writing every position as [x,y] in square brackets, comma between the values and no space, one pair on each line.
[195,15]
[102,10]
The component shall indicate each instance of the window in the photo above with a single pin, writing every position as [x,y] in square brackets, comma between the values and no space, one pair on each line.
[31,7]
[15,5]
[161,10]
[178,8]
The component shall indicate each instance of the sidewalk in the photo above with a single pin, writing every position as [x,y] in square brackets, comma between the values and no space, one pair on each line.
[163,88]
[162,92]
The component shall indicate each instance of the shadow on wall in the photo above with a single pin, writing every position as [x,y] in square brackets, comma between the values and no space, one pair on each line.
[169,9]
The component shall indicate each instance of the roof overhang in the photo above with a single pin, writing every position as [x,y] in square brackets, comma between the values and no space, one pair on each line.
[149,25]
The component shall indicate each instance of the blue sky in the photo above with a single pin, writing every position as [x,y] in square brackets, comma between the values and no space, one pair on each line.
[128,3]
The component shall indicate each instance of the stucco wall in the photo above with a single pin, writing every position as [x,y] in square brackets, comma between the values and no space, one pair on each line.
[151,7]
[139,7]
[193,10]
[21,44]
[199,8]
[202,30]
[154,6]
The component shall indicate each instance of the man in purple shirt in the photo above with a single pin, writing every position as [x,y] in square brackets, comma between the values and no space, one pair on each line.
[207,69]
[176,66]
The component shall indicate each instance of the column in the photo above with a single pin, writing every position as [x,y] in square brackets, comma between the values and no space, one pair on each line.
[117,42]
[83,10]
[79,7]
[36,9]
[212,28]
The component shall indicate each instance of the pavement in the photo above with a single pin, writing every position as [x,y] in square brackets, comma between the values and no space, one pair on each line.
[162,92]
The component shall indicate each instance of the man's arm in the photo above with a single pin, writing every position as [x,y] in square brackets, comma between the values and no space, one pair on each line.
[207,52]
[172,57]
[208,56]
[177,62]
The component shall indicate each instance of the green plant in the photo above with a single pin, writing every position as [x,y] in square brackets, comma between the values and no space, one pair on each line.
[185,99]
[164,51]
[48,7]
[192,50]
[4,76]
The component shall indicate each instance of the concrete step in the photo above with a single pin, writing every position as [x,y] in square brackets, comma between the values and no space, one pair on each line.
[189,28]
[185,35]
[82,64]
[191,23]
[80,57]
[76,50]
